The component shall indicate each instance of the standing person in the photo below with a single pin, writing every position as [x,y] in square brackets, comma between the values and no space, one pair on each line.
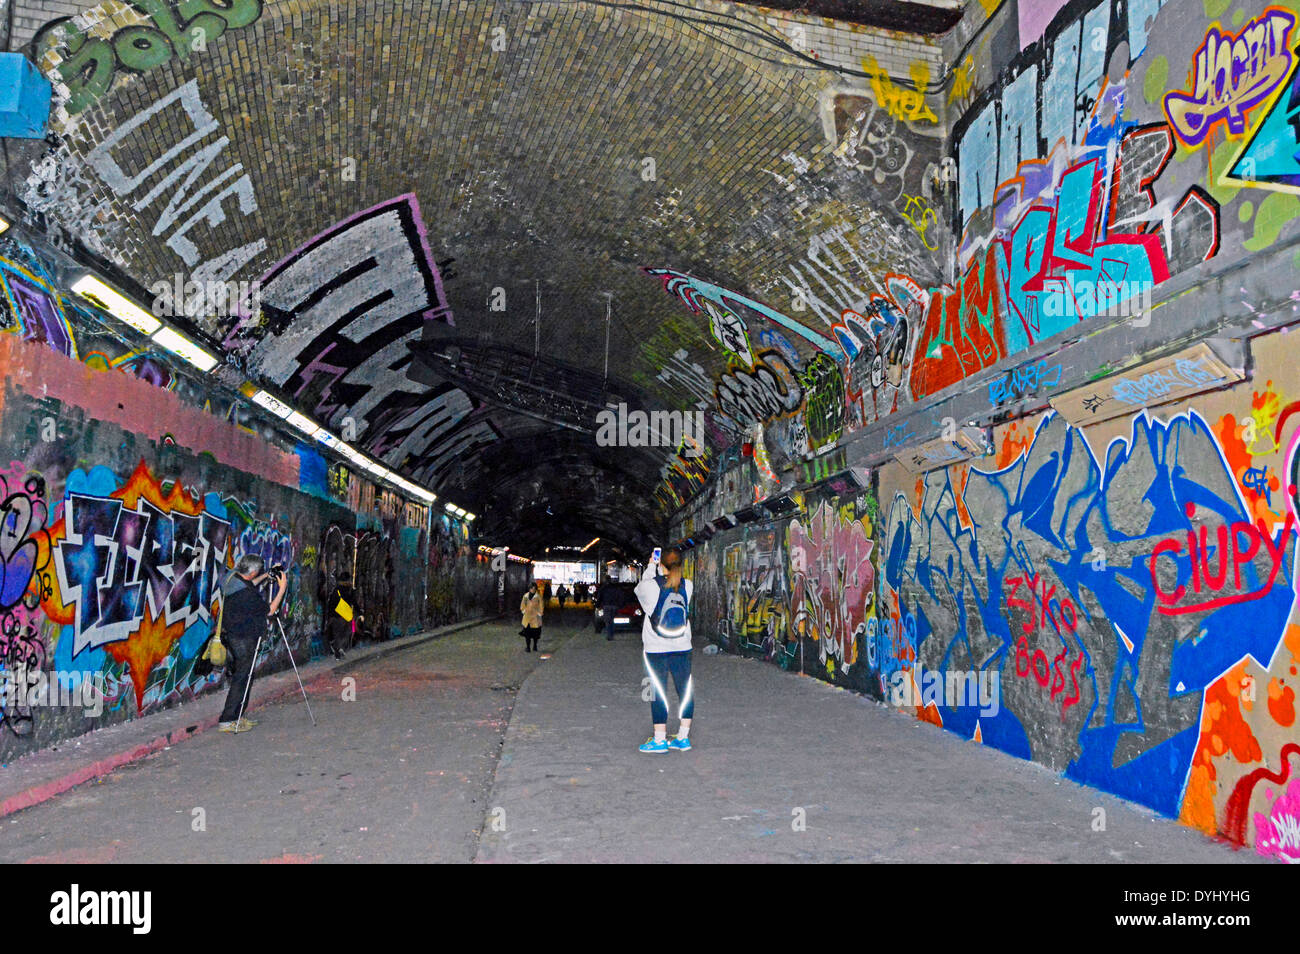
[244,613]
[340,618]
[546,591]
[665,598]
[562,594]
[531,607]
[610,599]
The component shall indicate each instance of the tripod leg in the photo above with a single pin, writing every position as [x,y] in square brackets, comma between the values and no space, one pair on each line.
[301,687]
[249,685]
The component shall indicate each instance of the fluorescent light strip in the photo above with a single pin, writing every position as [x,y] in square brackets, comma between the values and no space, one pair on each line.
[272,404]
[184,348]
[128,312]
[116,304]
[358,459]
[303,423]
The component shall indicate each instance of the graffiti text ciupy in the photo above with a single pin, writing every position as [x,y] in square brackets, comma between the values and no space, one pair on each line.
[1235,544]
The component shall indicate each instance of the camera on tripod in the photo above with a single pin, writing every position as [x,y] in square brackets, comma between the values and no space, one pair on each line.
[270,574]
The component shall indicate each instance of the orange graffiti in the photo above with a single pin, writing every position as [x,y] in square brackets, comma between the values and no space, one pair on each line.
[962,333]
[147,647]
[1281,703]
[1223,729]
[1013,445]
[963,514]
[930,714]
[1241,460]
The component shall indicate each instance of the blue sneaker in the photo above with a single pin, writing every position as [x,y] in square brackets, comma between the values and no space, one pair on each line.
[681,745]
[650,745]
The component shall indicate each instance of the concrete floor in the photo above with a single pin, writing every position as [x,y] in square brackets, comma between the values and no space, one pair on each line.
[466,748]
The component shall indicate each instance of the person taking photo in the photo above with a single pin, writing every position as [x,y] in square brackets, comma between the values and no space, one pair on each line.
[665,598]
[244,612]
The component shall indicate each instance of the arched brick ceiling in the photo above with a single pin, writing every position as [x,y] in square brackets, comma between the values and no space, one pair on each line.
[476,169]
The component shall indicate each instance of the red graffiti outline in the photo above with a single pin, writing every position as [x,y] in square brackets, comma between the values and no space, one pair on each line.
[1234,812]
[1276,552]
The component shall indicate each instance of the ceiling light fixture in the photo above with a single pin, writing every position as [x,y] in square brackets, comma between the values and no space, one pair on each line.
[303,423]
[358,460]
[272,404]
[185,349]
[109,299]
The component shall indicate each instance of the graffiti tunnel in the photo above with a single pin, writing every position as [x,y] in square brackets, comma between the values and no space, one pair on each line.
[946,339]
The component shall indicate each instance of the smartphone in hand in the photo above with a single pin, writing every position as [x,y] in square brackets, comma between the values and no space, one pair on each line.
[654,557]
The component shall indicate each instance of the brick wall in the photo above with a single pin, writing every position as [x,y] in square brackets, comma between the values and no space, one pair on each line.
[845,44]
[31,15]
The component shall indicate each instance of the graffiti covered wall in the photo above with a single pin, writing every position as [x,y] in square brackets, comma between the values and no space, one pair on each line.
[114,547]
[1133,586]
[1120,597]
[129,488]
[1098,156]
[999,223]
[1129,588]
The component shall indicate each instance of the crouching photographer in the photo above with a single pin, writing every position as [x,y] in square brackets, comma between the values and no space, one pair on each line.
[244,612]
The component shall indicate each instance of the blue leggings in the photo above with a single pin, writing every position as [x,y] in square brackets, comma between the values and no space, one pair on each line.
[658,666]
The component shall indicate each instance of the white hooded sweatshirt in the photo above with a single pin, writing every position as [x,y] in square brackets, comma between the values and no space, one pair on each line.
[647,594]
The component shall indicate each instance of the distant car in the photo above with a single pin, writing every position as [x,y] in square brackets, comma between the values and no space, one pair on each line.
[628,613]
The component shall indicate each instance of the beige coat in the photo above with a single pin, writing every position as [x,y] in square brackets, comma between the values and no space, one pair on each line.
[531,607]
